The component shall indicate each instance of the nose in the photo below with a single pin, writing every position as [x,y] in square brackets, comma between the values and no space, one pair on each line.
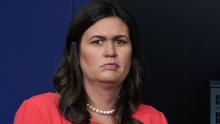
[110,50]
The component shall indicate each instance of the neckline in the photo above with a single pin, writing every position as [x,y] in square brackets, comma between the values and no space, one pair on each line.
[136,113]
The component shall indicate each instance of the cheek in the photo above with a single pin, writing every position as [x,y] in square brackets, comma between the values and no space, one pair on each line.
[126,58]
[84,60]
[88,59]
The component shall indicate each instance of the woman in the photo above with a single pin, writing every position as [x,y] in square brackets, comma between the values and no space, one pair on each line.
[100,76]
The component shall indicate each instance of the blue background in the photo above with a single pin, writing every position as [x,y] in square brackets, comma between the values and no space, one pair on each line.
[180,44]
[32,36]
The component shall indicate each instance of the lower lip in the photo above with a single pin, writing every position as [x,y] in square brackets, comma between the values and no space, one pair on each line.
[110,67]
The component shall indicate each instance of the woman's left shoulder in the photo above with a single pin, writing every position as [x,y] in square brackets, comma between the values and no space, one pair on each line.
[149,115]
[142,108]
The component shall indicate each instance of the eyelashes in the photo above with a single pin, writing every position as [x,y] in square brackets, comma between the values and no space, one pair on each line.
[118,42]
[121,42]
[97,42]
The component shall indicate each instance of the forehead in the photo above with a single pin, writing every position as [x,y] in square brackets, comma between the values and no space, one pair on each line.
[108,26]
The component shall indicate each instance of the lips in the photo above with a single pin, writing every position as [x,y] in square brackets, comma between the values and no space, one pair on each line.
[110,66]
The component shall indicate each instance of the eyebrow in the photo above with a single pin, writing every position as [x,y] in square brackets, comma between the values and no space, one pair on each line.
[104,38]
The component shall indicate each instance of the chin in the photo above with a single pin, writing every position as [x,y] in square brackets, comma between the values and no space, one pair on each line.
[110,80]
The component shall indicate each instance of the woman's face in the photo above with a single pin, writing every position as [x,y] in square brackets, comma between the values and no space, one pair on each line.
[105,51]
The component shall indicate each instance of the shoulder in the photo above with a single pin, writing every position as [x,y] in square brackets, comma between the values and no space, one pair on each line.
[40,108]
[45,99]
[147,109]
[149,115]
[42,102]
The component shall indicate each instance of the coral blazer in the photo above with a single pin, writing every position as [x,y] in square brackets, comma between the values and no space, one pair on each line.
[43,109]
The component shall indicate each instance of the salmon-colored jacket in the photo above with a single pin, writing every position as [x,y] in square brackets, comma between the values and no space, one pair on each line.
[43,109]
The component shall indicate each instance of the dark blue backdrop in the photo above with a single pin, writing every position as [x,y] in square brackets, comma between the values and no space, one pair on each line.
[180,45]
[32,39]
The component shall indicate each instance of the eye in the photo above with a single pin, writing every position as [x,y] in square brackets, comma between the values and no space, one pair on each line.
[97,42]
[120,42]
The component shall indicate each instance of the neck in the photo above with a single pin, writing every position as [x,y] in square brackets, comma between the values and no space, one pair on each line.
[102,95]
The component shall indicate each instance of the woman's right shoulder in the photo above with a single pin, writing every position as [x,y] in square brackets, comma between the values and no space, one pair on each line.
[44,99]
[38,108]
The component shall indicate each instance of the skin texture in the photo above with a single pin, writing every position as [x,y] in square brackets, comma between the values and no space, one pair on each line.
[107,41]
[105,60]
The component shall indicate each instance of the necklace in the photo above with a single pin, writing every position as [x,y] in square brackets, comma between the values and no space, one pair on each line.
[99,111]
